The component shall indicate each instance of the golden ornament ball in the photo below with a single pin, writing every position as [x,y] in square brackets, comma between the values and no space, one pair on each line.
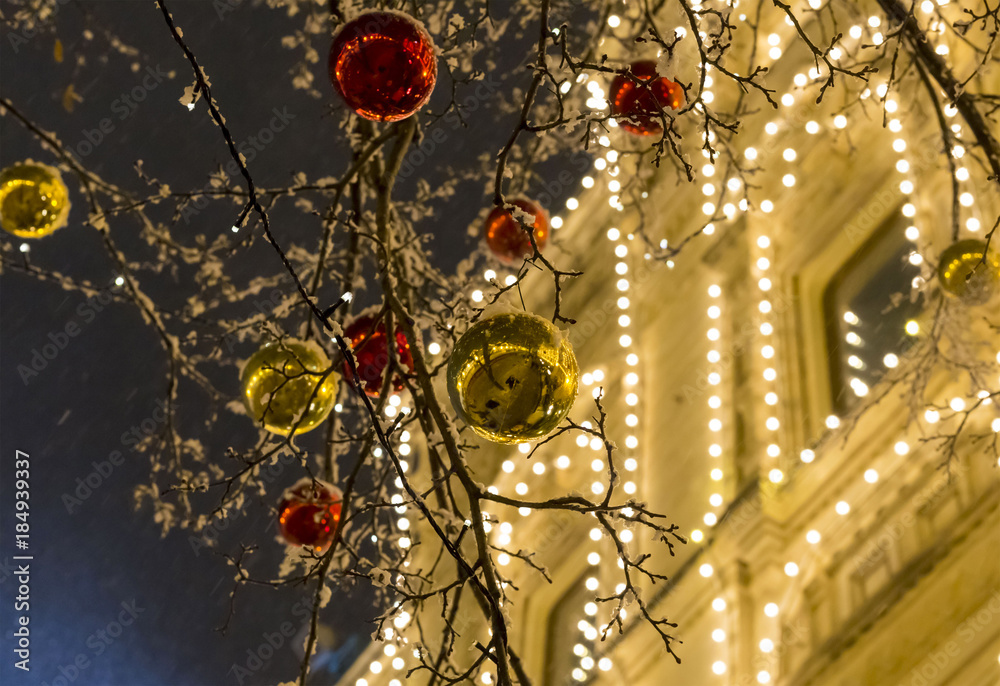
[513,377]
[289,384]
[964,274]
[34,201]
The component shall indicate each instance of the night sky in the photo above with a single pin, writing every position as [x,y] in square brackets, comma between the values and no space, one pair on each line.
[112,602]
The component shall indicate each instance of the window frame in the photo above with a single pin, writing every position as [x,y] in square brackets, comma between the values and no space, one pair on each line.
[812,374]
[834,326]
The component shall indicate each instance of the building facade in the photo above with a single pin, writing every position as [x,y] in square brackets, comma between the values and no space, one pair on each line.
[794,391]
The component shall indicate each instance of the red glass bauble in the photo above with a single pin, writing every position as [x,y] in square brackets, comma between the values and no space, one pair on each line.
[637,106]
[507,238]
[372,353]
[309,513]
[383,65]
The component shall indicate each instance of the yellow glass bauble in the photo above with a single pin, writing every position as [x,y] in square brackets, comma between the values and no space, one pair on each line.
[34,201]
[513,377]
[965,258]
[289,384]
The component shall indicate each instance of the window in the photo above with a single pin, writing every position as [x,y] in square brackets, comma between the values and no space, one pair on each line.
[566,645]
[867,307]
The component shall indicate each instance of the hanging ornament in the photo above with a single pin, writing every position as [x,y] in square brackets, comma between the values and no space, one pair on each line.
[513,377]
[286,384]
[34,201]
[964,274]
[507,239]
[309,513]
[637,106]
[369,341]
[383,65]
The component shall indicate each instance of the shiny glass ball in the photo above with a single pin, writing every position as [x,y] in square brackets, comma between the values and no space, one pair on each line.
[513,377]
[371,350]
[637,106]
[383,65]
[34,201]
[287,384]
[507,239]
[964,274]
[309,514]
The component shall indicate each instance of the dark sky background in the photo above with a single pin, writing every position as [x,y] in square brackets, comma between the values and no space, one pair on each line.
[107,380]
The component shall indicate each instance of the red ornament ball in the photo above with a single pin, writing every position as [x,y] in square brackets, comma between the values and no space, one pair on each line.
[309,513]
[637,106]
[383,65]
[371,350]
[507,239]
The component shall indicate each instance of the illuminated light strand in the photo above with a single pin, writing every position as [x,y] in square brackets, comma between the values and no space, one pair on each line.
[715,403]
[901,448]
[715,451]
[394,407]
[762,252]
[505,532]
[772,423]
[393,652]
[731,192]
[763,268]
[591,630]
[607,163]
[907,186]
[404,451]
